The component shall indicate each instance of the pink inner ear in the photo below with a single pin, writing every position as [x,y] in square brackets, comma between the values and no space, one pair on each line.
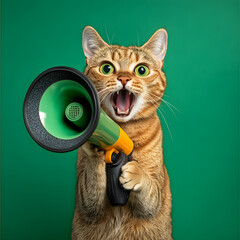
[157,45]
[123,100]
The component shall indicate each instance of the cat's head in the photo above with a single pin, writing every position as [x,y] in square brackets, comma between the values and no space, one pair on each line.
[129,80]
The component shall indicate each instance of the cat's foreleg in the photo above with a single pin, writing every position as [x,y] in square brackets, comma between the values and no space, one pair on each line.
[145,197]
[91,181]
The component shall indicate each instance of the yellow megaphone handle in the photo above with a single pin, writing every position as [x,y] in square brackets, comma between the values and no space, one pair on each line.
[108,156]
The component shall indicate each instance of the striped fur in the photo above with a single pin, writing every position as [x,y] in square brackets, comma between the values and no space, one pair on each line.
[147,214]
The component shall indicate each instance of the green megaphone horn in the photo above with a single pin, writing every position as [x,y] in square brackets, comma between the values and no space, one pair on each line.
[62,111]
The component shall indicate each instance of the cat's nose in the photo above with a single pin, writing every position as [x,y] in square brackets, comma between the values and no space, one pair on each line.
[124,79]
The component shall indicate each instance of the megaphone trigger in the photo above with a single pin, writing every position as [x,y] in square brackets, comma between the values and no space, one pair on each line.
[108,156]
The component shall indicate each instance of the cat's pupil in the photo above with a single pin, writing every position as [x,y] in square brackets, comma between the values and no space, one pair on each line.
[141,70]
[106,68]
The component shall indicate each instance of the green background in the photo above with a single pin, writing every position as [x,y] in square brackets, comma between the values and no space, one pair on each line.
[202,68]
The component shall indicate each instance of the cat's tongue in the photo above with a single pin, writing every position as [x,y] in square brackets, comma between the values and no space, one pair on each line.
[123,100]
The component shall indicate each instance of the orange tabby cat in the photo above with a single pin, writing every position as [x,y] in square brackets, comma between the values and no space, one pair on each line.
[130,82]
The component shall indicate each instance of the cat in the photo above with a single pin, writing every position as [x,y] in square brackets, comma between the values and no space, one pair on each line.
[130,83]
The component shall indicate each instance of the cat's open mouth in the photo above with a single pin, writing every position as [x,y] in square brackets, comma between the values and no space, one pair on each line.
[122,102]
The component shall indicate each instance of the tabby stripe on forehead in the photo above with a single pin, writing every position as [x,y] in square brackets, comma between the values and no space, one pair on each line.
[130,54]
[126,52]
[119,53]
[114,55]
[136,57]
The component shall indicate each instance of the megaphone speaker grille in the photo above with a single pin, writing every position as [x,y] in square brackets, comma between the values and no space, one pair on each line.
[74,111]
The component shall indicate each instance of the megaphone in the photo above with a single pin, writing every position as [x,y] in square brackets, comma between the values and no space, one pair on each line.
[62,111]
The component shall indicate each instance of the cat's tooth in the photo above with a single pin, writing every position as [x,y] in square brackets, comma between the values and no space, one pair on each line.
[129,93]
[126,112]
[118,111]
[118,92]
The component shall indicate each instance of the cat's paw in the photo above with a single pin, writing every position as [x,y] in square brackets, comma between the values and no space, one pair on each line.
[132,176]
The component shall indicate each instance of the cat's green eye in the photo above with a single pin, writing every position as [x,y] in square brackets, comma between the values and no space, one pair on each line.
[106,68]
[142,70]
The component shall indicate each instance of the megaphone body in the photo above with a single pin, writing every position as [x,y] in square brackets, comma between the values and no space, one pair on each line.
[62,111]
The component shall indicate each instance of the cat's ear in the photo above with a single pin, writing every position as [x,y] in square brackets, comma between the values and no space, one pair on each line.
[91,41]
[157,44]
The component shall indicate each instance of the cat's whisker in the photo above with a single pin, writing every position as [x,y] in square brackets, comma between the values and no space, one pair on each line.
[109,48]
[152,101]
[112,37]
[98,85]
[103,90]
[153,94]
[107,35]
[100,95]
[138,39]
[157,108]
[99,89]
[136,90]
[168,96]
[164,95]
[108,88]
[170,108]
[165,101]
[166,124]
[104,93]
[104,97]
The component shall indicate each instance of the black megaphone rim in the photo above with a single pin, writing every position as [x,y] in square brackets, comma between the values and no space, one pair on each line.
[31,109]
